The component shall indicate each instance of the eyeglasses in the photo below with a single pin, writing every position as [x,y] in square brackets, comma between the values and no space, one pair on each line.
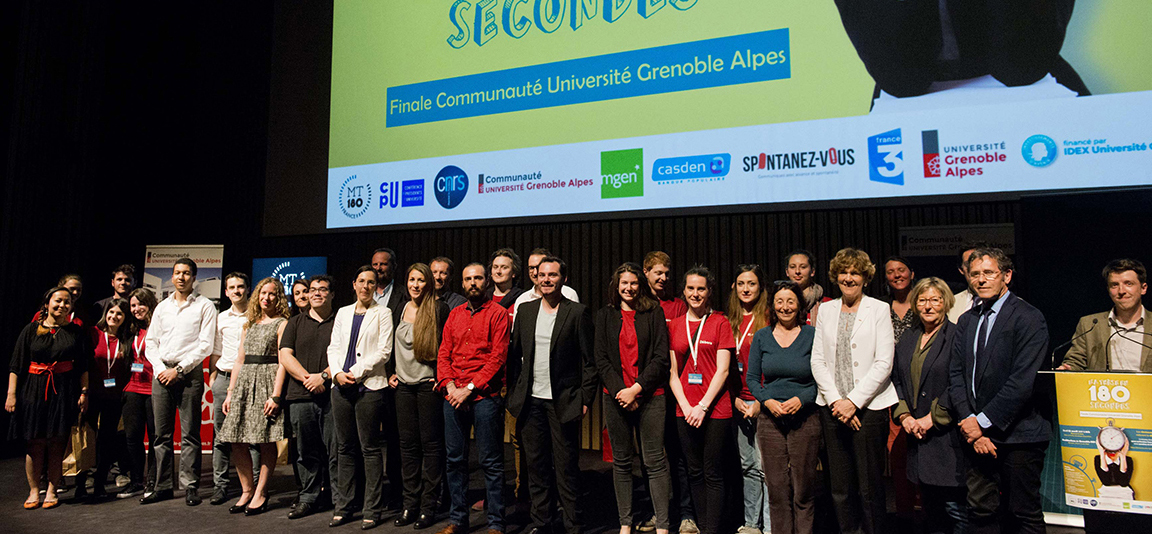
[319,290]
[935,301]
[985,275]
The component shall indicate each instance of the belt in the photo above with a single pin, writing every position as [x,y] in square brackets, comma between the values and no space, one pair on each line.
[261,358]
[49,369]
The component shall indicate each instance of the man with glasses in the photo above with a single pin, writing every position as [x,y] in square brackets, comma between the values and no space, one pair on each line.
[304,356]
[1001,344]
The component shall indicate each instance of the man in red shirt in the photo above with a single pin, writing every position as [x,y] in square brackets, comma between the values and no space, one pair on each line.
[470,373]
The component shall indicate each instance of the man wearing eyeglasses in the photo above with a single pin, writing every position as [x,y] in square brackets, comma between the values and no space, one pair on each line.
[1116,339]
[1001,344]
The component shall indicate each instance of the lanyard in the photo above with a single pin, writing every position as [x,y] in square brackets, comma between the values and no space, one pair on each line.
[693,344]
[111,354]
[138,345]
[744,336]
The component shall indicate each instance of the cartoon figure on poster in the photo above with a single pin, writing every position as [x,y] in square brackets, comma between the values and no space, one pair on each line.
[1113,466]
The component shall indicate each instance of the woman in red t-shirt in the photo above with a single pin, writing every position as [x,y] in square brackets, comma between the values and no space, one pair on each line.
[701,346]
[107,377]
[631,351]
[747,314]
[138,401]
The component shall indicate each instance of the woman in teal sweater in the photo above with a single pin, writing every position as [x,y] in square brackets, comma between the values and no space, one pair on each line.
[780,377]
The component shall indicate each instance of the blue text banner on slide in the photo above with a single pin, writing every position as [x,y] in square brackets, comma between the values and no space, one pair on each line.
[464,110]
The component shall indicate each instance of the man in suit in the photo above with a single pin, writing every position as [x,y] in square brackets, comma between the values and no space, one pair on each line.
[966,297]
[1116,339]
[1000,347]
[553,381]
[394,297]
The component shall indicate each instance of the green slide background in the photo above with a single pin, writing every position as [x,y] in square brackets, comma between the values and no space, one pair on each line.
[383,43]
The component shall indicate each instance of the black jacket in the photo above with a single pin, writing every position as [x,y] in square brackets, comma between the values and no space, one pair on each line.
[573,373]
[653,364]
[938,459]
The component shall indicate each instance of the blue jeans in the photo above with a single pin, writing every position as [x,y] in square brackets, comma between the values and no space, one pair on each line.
[755,496]
[487,416]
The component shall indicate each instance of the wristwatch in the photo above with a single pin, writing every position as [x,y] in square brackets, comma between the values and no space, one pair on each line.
[325,375]
[471,386]
[276,400]
[179,370]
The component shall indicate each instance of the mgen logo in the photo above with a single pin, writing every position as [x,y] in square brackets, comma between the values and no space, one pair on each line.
[451,185]
[355,197]
[622,173]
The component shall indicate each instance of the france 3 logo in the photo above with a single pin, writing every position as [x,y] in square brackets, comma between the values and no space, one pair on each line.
[886,157]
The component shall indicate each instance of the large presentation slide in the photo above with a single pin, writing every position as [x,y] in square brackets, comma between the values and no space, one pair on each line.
[462,110]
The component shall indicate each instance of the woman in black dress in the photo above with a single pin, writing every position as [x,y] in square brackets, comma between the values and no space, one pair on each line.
[47,391]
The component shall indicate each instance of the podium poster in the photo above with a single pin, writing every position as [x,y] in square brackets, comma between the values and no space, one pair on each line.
[158,261]
[1106,440]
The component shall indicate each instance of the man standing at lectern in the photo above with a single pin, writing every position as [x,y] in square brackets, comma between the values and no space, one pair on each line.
[1115,340]
[1001,345]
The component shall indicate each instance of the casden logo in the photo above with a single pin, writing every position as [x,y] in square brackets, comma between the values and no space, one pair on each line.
[406,194]
[706,167]
[450,186]
[1039,151]
[355,197]
[886,157]
[622,173]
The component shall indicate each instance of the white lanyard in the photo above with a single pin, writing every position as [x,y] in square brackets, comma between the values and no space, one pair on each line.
[693,345]
[111,354]
[744,336]
[137,347]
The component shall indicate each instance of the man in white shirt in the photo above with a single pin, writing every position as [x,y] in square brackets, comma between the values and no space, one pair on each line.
[533,267]
[181,336]
[229,325]
[1118,339]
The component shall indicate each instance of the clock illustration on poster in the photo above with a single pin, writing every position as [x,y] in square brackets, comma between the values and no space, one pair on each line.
[1113,466]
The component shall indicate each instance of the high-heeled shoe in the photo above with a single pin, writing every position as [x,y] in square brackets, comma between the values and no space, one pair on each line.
[239,507]
[257,510]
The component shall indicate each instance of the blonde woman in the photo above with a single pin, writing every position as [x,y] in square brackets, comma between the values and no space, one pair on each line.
[252,414]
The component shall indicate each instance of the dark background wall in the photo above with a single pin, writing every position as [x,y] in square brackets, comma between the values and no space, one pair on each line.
[124,124]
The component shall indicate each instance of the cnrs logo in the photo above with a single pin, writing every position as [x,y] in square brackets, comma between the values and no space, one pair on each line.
[622,173]
[355,197]
[451,185]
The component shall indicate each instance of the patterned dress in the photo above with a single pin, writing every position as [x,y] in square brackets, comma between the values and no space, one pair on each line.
[245,422]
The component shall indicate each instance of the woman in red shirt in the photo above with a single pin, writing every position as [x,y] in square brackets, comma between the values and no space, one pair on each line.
[108,375]
[701,346]
[747,314]
[137,411]
[631,351]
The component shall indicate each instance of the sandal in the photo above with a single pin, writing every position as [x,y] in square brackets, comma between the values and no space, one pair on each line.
[32,504]
[50,504]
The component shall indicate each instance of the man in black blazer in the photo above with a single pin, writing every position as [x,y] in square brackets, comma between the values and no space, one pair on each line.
[394,296]
[1001,344]
[552,380]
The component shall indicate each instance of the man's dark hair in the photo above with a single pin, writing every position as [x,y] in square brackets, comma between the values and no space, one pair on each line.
[237,274]
[186,261]
[556,260]
[1121,265]
[510,254]
[477,264]
[444,259]
[127,269]
[1003,262]
[971,245]
[391,254]
[540,251]
[321,278]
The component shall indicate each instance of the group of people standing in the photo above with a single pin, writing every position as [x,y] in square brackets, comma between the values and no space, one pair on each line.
[396,385]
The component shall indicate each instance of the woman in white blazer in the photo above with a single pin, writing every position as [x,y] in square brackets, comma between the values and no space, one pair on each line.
[361,345]
[852,363]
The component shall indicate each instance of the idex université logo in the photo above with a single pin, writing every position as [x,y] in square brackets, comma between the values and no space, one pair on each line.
[622,173]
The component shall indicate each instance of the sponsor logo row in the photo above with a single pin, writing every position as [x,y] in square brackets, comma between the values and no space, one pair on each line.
[622,171]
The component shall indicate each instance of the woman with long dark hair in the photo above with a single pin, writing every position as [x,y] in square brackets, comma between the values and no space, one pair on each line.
[631,352]
[701,347]
[47,391]
[112,342]
[747,314]
[137,408]
[419,409]
[252,414]
[361,346]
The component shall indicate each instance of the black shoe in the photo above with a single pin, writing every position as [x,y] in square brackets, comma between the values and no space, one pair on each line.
[338,520]
[192,497]
[257,510]
[425,521]
[369,523]
[219,496]
[157,496]
[131,490]
[301,510]
[407,517]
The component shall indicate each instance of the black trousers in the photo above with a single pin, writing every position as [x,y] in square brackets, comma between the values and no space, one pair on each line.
[1004,492]
[855,469]
[392,450]
[704,449]
[645,426]
[553,451]
[138,418]
[356,416]
[900,41]
[682,506]
[420,421]
[104,417]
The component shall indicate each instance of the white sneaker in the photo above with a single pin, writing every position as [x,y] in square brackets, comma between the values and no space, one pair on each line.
[688,526]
